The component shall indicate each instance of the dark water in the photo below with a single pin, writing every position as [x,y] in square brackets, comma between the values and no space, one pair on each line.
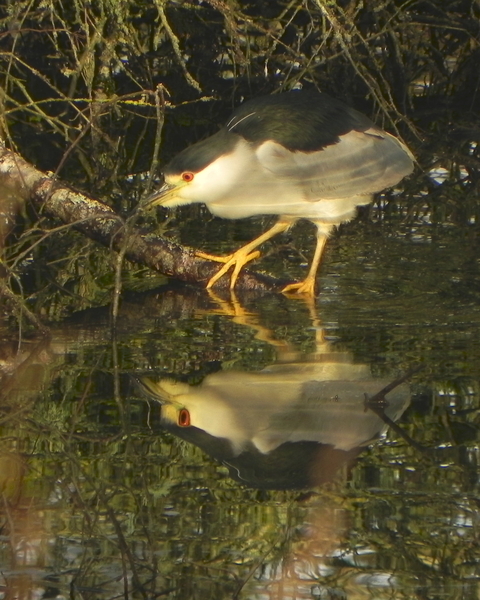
[265,473]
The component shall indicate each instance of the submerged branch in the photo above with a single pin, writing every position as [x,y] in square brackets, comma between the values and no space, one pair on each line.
[102,224]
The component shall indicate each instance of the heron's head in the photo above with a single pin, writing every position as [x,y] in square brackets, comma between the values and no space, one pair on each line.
[204,172]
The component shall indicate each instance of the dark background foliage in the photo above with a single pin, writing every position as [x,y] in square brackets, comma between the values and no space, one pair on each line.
[104,92]
[68,67]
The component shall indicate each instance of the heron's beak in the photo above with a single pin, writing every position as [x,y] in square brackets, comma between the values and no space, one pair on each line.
[167,192]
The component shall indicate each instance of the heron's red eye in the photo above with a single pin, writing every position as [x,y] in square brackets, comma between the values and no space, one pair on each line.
[187,176]
[183,418]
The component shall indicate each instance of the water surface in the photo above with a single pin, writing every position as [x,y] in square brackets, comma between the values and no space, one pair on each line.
[263,473]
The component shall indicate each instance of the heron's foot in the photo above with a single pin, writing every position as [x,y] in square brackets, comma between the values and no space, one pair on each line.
[304,288]
[237,260]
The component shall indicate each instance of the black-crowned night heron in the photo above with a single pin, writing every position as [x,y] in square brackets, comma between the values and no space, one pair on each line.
[300,154]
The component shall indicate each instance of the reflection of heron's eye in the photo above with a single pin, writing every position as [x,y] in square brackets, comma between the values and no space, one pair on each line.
[184,418]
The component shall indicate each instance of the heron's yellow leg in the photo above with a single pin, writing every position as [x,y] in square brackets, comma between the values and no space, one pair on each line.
[244,255]
[307,286]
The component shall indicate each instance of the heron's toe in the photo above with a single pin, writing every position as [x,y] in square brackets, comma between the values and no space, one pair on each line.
[305,287]
[237,260]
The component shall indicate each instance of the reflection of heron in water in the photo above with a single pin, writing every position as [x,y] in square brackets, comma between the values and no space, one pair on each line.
[290,425]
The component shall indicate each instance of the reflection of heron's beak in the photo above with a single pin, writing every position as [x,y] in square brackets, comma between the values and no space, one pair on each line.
[151,389]
[167,192]
[163,390]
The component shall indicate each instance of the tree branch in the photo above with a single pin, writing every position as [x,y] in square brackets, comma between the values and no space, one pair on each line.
[100,223]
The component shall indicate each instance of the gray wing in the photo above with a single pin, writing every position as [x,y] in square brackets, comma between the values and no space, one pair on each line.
[361,163]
